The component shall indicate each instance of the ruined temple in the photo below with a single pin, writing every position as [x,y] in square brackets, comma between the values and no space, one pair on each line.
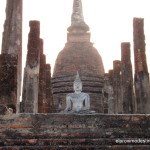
[123,101]
[78,55]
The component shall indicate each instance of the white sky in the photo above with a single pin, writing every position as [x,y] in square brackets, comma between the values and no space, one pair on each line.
[110,22]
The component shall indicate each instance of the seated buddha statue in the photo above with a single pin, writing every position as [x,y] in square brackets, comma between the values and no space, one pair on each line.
[77,101]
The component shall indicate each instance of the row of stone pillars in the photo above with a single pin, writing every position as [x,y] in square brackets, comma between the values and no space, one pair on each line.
[37,97]
[125,96]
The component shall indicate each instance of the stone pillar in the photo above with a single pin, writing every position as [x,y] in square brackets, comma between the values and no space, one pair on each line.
[42,84]
[31,71]
[45,92]
[127,80]
[105,92]
[111,101]
[49,108]
[37,95]
[12,35]
[108,93]
[12,50]
[117,86]
[142,87]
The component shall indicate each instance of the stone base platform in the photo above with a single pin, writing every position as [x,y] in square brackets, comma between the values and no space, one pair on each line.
[74,131]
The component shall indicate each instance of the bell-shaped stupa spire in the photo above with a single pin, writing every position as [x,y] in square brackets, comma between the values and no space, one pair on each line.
[77,19]
[77,14]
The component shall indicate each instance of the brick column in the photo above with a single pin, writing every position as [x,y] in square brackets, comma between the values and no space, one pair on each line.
[108,93]
[37,95]
[117,86]
[11,52]
[142,87]
[45,92]
[127,80]
[31,71]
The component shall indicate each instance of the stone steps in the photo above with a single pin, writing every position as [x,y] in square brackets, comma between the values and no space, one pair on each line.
[58,142]
[68,142]
[73,131]
[113,147]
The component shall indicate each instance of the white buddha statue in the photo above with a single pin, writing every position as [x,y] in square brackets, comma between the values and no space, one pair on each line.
[77,101]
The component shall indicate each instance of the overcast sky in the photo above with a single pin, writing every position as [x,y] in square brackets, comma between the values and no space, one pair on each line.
[110,22]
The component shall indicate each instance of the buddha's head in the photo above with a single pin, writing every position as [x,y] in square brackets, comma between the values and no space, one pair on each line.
[77,85]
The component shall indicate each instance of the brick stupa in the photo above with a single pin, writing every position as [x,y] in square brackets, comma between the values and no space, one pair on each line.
[78,55]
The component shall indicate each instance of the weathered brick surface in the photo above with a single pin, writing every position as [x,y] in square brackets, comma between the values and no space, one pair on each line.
[117,86]
[139,45]
[49,105]
[8,81]
[123,147]
[45,101]
[78,56]
[128,99]
[74,131]
[31,71]
[141,77]
[12,46]
[36,98]
[44,91]
[108,93]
